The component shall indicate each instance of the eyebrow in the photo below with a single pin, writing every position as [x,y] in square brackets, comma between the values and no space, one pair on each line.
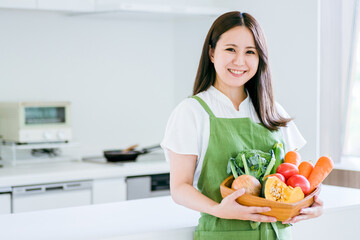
[234,45]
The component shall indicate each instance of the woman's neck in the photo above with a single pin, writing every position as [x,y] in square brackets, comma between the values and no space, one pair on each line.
[236,95]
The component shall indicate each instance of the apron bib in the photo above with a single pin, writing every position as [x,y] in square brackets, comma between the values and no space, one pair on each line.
[228,136]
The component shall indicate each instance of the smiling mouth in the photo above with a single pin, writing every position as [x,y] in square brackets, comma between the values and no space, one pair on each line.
[237,72]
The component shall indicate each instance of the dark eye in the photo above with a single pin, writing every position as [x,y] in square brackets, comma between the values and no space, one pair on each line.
[230,49]
[250,52]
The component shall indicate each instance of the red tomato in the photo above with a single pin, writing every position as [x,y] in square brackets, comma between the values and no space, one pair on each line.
[299,181]
[278,175]
[287,170]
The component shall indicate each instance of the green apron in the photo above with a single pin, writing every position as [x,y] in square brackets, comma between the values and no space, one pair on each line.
[228,136]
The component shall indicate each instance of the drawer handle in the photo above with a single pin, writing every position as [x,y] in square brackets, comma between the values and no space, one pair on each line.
[54,188]
[74,185]
[32,189]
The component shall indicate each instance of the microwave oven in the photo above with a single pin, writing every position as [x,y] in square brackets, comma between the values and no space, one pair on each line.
[35,122]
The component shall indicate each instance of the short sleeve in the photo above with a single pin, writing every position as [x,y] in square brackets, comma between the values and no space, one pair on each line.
[292,136]
[181,131]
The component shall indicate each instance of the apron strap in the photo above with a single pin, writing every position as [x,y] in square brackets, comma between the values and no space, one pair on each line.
[204,105]
[276,230]
[266,233]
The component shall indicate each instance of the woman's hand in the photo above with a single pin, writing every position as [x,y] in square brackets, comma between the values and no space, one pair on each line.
[230,209]
[314,211]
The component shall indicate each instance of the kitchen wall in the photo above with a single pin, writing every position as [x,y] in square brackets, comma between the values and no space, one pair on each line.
[117,72]
[124,73]
[189,39]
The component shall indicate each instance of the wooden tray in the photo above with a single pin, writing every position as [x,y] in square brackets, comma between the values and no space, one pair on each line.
[282,211]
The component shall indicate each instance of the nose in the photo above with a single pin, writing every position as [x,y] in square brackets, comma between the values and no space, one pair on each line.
[239,59]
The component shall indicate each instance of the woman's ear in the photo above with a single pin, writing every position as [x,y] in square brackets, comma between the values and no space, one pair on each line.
[211,54]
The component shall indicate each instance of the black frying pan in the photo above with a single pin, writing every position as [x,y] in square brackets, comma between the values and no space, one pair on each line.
[120,155]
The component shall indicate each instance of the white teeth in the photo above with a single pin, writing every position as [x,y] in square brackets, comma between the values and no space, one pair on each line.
[236,72]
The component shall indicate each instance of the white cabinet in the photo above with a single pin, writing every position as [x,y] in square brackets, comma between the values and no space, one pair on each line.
[127,188]
[50,196]
[109,190]
[60,195]
[5,203]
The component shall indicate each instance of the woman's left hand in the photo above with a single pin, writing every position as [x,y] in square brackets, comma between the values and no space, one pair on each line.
[314,211]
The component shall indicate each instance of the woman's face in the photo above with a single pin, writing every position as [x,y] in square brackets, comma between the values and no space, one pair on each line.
[235,58]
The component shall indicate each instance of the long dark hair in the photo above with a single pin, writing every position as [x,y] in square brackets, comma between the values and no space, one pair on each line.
[260,86]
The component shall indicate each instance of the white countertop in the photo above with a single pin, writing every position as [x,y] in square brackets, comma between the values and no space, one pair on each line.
[98,221]
[126,220]
[63,171]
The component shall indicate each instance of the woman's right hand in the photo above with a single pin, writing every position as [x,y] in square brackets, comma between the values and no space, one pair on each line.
[228,208]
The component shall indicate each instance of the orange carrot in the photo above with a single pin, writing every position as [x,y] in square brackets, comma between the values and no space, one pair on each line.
[305,168]
[322,168]
[293,157]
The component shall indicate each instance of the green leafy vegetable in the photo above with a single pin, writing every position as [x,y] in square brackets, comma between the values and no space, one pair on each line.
[234,168]
[251,162]
[257,164]
[271,165]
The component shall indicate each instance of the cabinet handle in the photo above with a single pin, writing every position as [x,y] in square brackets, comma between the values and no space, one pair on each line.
[54,188]
[33,189]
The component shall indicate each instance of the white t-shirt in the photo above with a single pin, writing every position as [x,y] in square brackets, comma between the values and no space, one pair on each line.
[188,128]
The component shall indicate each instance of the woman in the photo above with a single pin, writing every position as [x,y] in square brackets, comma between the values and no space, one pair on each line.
[232,109]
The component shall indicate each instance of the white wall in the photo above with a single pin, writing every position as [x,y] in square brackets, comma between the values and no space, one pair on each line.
[189,39]
[331,84]
[124,78]
[116,73]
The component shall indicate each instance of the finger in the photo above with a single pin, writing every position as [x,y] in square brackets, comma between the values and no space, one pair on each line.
[306,211]
[236,194]
[262,218]
[287,221]
[258,209]
[318,200]
[312,212]
[296,219]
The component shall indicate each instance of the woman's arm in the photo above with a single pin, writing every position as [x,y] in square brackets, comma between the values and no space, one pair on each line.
[182,168]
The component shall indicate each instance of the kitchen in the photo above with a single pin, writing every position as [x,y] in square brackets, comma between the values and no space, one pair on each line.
[108,58]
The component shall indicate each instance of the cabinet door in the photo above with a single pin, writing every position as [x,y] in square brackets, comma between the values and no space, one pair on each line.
[51,200]
[5,203]
[109,190]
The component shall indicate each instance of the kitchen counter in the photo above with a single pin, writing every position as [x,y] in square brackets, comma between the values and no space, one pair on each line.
[99,221]
[95,168]
[160,218]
